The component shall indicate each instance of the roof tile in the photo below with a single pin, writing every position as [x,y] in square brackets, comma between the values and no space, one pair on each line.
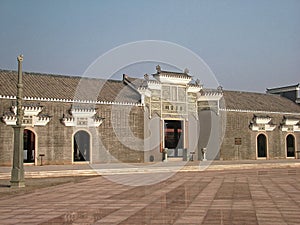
[238,100]
[67,87]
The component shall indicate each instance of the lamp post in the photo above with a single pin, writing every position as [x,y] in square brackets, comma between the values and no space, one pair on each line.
[17,172]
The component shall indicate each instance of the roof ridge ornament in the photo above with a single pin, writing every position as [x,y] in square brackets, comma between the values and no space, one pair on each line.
[220,89]
[158,69]
[146,76]
[186,71]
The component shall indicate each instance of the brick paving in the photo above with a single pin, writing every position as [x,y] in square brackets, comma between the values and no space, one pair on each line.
[257,196]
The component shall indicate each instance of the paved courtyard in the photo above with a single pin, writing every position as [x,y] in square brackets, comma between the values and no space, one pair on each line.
[257,196]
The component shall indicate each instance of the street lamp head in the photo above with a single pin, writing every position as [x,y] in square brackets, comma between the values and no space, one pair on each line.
[20,58]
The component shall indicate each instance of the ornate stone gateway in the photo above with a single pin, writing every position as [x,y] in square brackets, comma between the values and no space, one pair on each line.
[172,97]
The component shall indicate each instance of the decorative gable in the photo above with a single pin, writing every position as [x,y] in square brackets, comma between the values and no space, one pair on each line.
[82,117]
[171,79]
[262,123]
[290,124]
[167,77]
[32,116]
[170,95]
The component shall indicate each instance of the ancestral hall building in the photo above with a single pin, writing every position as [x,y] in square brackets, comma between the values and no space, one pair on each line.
[69,119]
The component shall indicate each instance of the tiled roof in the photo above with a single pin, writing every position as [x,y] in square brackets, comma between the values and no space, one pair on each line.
[236,100]
[66,87]
[173,74]
[135,82]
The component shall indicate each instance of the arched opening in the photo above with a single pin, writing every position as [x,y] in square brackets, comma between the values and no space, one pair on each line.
[174,137]
[29,146]
[261,146]
[290,146]
[81,149]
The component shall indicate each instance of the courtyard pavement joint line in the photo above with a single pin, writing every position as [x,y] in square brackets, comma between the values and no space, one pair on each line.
[80,170]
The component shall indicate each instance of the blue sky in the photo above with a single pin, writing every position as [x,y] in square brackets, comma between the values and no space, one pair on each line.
[249,45]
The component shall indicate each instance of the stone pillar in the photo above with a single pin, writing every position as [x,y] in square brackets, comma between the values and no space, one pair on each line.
[17,172]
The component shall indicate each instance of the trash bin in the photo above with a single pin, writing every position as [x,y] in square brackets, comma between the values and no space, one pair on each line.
[41,155]
[192,156]
[297,154]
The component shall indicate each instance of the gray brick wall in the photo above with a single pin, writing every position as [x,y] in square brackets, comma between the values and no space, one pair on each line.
[55,140]
[237,126]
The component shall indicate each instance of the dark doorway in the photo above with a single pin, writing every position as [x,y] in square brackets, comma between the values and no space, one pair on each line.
[81,146]
[174,137]
[29,146]
[290,146]
[261,146]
